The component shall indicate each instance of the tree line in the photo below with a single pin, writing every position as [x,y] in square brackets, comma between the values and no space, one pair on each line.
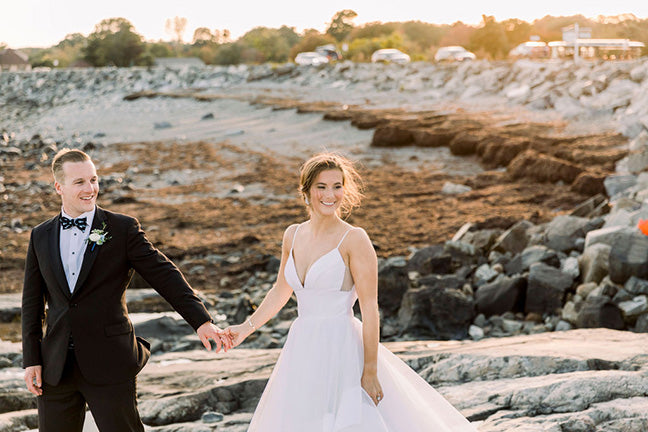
[115,42]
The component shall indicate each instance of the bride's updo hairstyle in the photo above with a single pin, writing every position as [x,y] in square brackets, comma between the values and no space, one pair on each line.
[351,180]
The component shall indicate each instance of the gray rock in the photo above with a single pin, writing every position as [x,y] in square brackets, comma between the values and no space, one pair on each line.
[476,333]
[503,295]
[563,326]
[393,282]
[484,274]
[594,262]
[616,184]
[628,257]
[562,232]
[636,286]
[437,312]
[431,259]
[570,311]
[212,417]
[546,288]
[642,324]
[529,256]
[454,189]
[515,239]
[599,311]
[570,266]
[605,235]
[633,308]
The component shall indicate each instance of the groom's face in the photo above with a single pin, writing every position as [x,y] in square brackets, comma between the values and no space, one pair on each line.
[78,188]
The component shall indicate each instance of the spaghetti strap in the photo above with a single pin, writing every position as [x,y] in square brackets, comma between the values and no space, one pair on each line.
[343,237]
[295,236]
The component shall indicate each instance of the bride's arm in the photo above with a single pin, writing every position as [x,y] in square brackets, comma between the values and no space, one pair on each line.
[364,269]
[274,300]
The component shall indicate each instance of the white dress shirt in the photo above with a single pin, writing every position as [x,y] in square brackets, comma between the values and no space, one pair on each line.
[72,244]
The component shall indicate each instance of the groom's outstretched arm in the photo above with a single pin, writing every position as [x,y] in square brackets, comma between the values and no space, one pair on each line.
[166,279]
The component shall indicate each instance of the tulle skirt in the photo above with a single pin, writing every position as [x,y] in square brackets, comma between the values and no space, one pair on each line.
[315,387]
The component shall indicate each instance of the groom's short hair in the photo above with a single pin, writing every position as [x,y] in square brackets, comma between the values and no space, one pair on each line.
[66,155]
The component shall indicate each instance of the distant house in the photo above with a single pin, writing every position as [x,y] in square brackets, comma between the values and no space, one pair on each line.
[13,60]
[578,40]
[178,62]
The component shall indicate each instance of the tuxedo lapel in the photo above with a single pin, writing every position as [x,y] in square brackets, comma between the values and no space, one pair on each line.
[91,251]
[54,236]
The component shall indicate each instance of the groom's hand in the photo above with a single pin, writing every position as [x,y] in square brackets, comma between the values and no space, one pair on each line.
[210,331]
[34,380]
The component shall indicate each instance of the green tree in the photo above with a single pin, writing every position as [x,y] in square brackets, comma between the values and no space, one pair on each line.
[114,42]
[159,49]
[203,36]
[265,44]
[490,38]
[422,35]
[341,25]
[228,53]
[517,31]
[72,40]
[373,30]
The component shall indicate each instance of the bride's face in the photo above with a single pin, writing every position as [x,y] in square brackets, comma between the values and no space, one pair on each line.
[327,192]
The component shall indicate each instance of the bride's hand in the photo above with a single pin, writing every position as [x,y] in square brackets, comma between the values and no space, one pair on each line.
[372,386]
[238,333]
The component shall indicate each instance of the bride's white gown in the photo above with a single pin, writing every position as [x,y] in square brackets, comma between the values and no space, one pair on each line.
[315,385]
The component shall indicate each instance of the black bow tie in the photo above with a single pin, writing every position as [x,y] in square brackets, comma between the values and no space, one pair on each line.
[80,223]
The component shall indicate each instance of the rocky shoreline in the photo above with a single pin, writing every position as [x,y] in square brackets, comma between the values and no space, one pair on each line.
[535,246]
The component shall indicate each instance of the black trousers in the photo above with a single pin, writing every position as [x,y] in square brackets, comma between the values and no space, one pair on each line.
[62,408]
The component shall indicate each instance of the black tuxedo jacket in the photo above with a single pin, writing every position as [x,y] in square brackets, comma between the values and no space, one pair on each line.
[95,314]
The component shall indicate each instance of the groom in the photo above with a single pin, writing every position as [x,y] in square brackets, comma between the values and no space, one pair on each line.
[79,264]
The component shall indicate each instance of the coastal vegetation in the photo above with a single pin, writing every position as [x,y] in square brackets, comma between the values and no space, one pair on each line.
[116,42]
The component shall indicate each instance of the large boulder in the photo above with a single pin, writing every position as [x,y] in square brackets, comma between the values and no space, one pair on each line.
[515,239]
[563,231]
[393,282]
[434,311]
[629,257]
[594,262]
[431,259]
[599,311]
[546,289]
[605,235]
[503,295]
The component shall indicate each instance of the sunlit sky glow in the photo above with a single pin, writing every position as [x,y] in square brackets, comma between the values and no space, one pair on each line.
[42,23]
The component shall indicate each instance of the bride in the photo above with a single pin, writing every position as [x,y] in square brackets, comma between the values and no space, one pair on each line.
[332,374]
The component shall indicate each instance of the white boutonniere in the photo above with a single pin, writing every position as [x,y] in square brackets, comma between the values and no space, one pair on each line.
[98,236]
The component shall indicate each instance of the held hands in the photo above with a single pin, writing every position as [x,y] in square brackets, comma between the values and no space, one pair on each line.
[238,333]
[34,380]
[371,385]
[210,331]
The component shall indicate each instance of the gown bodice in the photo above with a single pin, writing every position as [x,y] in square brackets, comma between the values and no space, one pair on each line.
[323,293]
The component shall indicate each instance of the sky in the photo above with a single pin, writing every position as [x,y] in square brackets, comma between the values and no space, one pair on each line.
[43,23]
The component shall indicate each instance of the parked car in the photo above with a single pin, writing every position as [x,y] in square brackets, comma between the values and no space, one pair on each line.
[453,53]
[389,55]
[310,58]
[330,51]
[530,49]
